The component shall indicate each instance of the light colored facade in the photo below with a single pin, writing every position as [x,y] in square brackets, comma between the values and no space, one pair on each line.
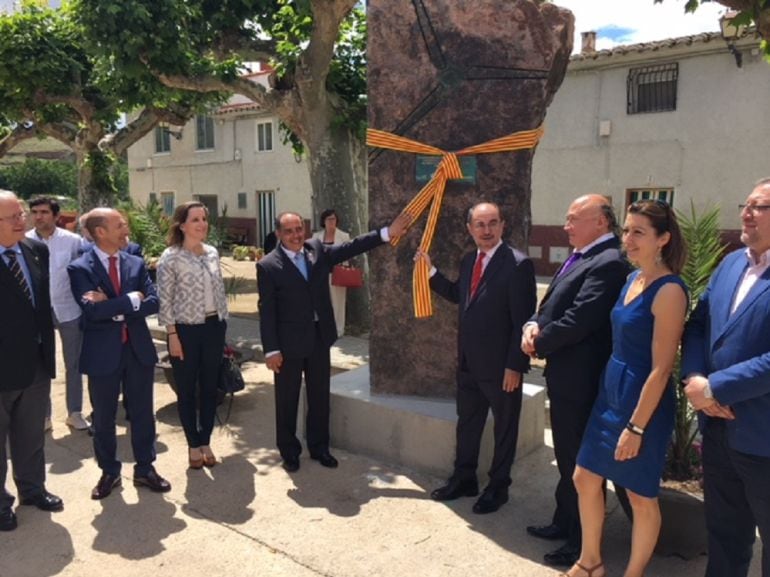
[234,158]
[709,149]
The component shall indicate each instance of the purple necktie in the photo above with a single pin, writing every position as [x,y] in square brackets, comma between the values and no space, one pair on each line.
[573,258]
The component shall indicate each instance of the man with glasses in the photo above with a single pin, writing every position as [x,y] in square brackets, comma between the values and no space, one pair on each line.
[27,361]
[496,294]
[571,331]
[726,365]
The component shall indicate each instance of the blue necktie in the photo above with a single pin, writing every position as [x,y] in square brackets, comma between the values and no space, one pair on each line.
[18,275]
[299,260]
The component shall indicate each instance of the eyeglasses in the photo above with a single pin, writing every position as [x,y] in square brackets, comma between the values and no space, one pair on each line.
[14,217]
[754,209]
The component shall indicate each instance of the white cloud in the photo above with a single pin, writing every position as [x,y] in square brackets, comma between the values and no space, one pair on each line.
[644,20]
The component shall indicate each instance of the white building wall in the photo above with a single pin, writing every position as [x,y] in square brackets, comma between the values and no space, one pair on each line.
[710,149]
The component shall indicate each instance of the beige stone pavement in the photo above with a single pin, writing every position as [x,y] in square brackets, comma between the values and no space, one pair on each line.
[247,516]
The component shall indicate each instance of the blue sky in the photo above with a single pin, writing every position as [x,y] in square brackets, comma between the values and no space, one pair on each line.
[631,21]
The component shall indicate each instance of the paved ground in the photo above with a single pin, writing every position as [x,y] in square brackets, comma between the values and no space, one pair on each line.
[247,516]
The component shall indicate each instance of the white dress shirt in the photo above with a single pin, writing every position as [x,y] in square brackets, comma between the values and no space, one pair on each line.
[63,247]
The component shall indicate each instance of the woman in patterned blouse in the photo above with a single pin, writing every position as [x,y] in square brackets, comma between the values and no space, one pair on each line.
[193,306]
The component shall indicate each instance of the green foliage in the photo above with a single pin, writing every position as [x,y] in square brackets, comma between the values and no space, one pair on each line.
[240,252]
[704,251]
[748,16]
[40,177]
[149,227]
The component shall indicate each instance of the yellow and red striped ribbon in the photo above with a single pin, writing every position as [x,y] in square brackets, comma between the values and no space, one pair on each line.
[433,192]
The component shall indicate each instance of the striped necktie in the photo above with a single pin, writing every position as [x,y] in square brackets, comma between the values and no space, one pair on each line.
[18,274]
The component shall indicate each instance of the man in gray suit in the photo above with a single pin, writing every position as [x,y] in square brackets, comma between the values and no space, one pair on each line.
[27,359]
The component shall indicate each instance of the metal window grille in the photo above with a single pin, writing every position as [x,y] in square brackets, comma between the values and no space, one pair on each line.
[652,88]
[664,194]
[265,212]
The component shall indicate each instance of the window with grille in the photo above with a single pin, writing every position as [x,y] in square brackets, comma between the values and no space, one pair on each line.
[265,212]
[205,133]
[264,136]
[652,88]
[242,200]
[664,194]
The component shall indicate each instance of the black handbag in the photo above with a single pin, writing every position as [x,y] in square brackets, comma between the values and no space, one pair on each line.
[230,380]
[230,376]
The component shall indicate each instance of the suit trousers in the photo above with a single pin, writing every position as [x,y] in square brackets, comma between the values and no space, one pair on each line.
[138,390]
[288,383]
[197,376]
[22,417]
[569,418]
[736,488]
[475,397]
[71,341]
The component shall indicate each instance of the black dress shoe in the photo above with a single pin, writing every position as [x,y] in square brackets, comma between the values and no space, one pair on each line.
[564,556]
[455,489]
[7,520]
[105,486]
[548,532]
[326,459]
[490,501]
[153,482]
[291,464]
[44,501]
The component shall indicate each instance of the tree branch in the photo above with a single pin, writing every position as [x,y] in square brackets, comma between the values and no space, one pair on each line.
[17,135]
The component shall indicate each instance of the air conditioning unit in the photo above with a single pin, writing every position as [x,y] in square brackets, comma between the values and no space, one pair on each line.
[149,163]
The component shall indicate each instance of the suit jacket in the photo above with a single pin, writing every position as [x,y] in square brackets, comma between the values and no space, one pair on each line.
[288,303]
[489,335]
[574,319]
[733,351]
[102,347]
[25,330]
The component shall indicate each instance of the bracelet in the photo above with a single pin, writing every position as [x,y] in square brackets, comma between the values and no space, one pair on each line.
[169,334]
[636,430]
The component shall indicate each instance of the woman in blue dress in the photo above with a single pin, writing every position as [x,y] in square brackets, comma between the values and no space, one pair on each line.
[632,420]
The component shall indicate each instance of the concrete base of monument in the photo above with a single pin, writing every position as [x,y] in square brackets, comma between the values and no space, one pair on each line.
[413,431]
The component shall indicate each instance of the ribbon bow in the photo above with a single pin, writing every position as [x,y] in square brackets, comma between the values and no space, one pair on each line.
[433,192]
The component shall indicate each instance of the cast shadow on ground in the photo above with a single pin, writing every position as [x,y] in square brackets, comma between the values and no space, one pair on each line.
[206,498]
[38,548]
[152,512]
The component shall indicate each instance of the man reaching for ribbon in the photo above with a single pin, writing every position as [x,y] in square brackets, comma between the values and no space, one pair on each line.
[496,294]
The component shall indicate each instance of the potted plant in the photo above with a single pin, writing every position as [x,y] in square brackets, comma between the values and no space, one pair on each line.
[683,530]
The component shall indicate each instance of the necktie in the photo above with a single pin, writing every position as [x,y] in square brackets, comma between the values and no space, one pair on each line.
[299,260]
[113,272]
[477,272]
[17,273]
[573,258]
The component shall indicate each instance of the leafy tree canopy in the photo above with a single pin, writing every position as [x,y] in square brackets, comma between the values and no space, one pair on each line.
[749,13]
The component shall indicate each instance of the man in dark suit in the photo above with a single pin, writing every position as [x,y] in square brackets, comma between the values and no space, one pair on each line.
[116,295]
[27,361]
[726,364]
[496,294]
[571,331]
[297,327]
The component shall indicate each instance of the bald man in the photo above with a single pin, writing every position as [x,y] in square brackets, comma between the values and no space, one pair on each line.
[116,295]
[571,331]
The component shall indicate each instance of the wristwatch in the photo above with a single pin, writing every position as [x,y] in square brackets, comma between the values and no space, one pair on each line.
[707,393]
